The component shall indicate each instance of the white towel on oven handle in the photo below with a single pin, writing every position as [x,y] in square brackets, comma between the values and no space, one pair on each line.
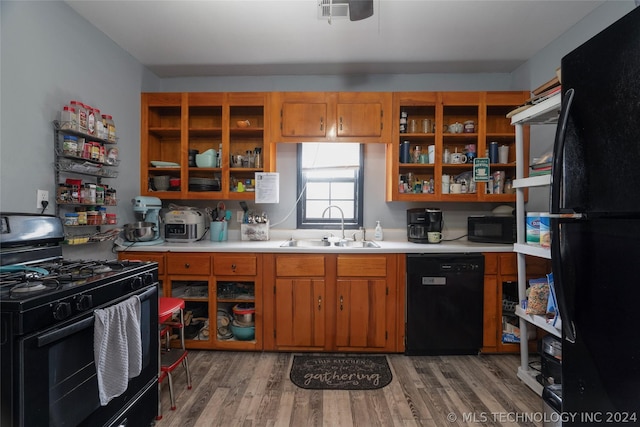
[117,347]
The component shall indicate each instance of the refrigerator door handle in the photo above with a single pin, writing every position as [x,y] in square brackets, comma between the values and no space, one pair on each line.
[558,151]
[556,252]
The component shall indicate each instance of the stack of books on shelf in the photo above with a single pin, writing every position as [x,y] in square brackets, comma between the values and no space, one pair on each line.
[541,93]
[541,165]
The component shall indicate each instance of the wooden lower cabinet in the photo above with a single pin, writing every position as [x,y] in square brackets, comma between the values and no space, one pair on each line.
[300,313]
[500,284]
[317,302]
[210,283]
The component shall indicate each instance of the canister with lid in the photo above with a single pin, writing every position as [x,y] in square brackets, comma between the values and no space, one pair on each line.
[94,218]
[111,128]
[81,113]
[82,215]
[71,218]
[68,118]
[91,120]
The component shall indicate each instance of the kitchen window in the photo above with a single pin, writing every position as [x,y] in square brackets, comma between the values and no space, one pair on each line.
[330,174]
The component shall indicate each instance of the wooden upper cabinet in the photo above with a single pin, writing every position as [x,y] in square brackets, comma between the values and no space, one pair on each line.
[304,119]
[332,116]
[362,115]
[483,119]
[175,126]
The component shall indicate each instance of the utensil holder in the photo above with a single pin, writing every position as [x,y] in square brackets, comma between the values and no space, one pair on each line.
[254,231]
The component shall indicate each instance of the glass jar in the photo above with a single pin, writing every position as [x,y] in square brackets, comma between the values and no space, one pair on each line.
[68,118]
[71,219]
[111,219]
[81,115]
[103,214]
[82,215]
[91,120]
[94,218]
[111,128]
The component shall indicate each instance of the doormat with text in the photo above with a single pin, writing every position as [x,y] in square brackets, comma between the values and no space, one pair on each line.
[330,372]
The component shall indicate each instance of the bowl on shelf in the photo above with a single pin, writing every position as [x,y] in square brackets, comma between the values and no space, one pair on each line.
[243,123]
[244,313]
[243,333]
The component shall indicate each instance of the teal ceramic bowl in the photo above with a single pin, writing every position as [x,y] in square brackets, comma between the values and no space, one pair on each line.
[243,333]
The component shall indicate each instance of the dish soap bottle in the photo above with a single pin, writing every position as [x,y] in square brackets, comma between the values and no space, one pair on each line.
[377,234]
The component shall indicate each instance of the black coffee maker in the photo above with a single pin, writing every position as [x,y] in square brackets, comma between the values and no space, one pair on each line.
[421,221]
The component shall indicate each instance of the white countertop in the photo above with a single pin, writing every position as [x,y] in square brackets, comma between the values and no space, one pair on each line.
[395,242]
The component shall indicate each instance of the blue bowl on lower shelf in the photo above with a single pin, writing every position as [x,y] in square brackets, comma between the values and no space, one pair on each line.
[243,333]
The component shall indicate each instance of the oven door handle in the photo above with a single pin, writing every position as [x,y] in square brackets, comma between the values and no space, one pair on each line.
[58,334]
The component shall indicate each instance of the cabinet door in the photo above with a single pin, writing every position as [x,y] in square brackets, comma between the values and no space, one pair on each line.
[300,313]
[304,119]
[361,312]
[365,115]
[196,292]
[359,119]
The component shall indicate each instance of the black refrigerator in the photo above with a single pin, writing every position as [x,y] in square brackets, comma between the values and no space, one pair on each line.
[596,242]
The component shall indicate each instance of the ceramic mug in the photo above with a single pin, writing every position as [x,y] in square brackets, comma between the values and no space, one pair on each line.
[456,188]
[458,158]
[434,236]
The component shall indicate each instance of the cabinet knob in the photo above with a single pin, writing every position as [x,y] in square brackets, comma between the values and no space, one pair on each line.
[341,303]
[322,123]
[233,267]
[340,123]
[186,265]
[319,302]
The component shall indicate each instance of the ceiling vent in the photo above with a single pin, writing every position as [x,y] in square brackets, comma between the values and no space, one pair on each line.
[328,9]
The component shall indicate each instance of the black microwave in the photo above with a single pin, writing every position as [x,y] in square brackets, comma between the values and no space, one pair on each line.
[491,229]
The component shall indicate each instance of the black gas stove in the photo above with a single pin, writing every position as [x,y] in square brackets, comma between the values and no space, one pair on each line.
[47,306]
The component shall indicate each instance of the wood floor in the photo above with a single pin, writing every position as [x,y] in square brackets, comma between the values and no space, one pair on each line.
[253,389]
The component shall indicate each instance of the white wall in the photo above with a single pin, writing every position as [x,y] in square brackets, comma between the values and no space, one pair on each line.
[541,68]
[50,55]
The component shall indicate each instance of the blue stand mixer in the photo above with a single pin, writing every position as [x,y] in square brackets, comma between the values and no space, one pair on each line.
[147,230]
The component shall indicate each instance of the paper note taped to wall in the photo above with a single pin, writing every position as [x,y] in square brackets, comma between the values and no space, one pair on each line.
[267,187]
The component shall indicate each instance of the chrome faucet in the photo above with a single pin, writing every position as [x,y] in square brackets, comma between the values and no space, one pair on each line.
[341,215]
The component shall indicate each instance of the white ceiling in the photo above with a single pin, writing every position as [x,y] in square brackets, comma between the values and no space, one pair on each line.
[285,37]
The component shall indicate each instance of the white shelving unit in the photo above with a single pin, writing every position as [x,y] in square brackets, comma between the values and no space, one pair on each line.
[543,113]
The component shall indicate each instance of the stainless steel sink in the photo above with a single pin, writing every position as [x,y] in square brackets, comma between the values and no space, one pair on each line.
[325,243]
[304,243]
[356,244]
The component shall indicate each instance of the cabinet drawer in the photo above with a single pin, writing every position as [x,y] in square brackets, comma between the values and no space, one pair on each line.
[508,264]
[240,265]
[362,266]
[300,265]
[137,256]
[189,264]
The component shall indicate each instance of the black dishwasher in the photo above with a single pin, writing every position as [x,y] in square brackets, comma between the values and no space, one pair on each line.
[444,303]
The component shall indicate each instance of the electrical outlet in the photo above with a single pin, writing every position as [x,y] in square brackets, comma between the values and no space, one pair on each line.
[41,196]
[239,216]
